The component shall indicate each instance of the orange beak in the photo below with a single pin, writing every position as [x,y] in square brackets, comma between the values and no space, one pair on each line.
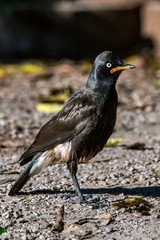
[120,68]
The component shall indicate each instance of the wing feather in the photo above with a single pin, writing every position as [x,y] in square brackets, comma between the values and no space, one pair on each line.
[63,126]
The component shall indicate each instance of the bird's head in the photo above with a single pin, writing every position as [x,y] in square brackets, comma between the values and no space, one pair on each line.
[108,66]
[103,76]
[106,69]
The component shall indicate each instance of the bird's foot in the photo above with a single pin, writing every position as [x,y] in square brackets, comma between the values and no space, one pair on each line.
[66,197]
[81,199]
[95,202]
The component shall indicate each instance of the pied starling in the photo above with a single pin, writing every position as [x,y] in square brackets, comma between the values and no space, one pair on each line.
[80,130]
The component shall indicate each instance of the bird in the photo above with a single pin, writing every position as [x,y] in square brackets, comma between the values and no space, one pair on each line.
[80,130]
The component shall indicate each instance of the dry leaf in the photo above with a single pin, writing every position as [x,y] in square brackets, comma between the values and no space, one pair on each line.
[130,202]
[59,224]
[136,145]
[85,226]
[78,230]
[104,219]
[144,208]
[157,73]
[9,144]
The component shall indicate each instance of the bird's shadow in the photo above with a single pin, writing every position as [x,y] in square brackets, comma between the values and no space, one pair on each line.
[151,191]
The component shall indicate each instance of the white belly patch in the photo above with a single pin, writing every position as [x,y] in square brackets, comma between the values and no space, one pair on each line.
[61,152]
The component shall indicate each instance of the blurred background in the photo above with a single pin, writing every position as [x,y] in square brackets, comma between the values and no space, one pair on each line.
[47,48]
[76,29]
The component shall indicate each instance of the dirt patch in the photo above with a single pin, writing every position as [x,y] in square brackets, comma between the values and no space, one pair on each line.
[112,175]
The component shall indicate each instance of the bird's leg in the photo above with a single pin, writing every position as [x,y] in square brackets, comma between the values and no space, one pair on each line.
[76,184]
[72,166]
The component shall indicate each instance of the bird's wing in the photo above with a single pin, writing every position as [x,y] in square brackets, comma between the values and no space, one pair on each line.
[63,126]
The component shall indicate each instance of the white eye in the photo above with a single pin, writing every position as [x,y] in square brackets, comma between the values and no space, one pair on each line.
[109,65]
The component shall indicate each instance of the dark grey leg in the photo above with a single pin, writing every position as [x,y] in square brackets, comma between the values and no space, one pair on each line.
[72,166]
[76,184]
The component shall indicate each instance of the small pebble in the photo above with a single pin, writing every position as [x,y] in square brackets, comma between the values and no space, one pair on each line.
[21,220]
[109,229]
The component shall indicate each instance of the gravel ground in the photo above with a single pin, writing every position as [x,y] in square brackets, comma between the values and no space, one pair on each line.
[131,169]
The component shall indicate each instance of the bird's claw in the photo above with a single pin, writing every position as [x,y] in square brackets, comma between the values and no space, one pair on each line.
[96,204]
[84,200]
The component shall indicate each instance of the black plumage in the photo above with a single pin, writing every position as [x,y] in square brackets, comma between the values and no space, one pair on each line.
[80,130]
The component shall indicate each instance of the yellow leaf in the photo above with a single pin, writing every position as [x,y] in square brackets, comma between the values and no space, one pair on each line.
[130,202]
[112,142]
[10,69]
[31,68]
[7,70]
[59,98]
[48,107]
[2,73]
[86,66]
[25,68]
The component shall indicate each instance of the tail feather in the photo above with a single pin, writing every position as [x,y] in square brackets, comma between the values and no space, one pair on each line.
[37,164]
[23,178]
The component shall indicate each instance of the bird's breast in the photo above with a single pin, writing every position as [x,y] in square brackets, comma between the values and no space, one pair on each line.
[92,139]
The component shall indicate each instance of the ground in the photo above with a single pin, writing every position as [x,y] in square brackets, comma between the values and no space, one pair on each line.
[130,169]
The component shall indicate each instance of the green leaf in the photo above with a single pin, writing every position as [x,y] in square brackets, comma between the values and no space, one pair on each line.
[2,230]
[157,174]
[157,84]
[112,142]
